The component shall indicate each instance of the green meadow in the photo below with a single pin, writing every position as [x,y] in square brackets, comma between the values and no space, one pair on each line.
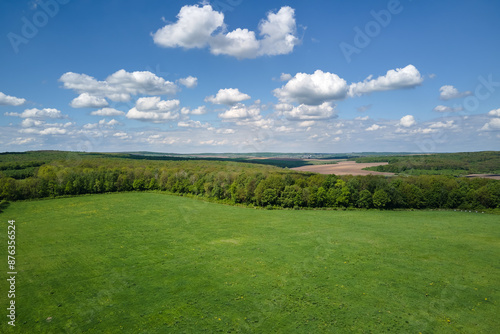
[157,263]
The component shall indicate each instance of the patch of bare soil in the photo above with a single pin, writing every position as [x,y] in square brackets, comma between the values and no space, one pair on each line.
[485,176]
[344,168]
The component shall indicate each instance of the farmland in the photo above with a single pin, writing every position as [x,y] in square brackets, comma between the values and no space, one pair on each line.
[258,181]
[154,263]
[345,168]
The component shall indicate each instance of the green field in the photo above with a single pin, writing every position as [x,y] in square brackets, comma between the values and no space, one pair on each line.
[156,263]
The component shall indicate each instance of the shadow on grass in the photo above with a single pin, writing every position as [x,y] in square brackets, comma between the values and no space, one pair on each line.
[3,205]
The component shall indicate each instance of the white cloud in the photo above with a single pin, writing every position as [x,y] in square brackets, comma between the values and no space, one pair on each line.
[225,131]
[107,112]
[312,89]
[255,122]
[364,118]
[30,122]
[407,121]
[7,100]
[239,43]
[193,29]
[443,125]
[201,110]
[120,85]
[22,141]
[85,100]
[38,113]
[306,112]
[448,92]
[192,124]
[53,131]
[400,78]
[279,32]
[153,109]
[213,142]
[374,127]
[101,124]
[155,103]
[492,125]
[441,108]
[495,112]
[285,76]
[240,111]
[201,26]
[284,128]
[306,124]
[121,135]
[189,82]
[228,96]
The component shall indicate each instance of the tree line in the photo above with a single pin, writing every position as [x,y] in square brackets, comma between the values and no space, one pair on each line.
[250,184]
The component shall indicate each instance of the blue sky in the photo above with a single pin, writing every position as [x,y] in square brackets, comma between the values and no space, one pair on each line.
[249,76]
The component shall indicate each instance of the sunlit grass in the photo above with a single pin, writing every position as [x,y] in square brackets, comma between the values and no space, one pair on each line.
[154,263]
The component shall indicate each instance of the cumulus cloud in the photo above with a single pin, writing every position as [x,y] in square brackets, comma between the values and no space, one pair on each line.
[443,125]
[312,89]
[153,109]
[121,135]
[120,85]
[22,141]
[38,113]
[320,87]
[197,111]
[374,127]
[192,124]
[241,111]
[225,131]
[400,78]
[448,92]
[279,32]
[200,26]
[495,112]
[40,127]
[7,100]
[285,76]
[493,125]
[239,43]
[85,100]
[304,112]
[189,82]
[101,124]
[53,131]
[193,29]
[107,112]
[407,121]
[364,118]
[306,124]
[30,122]
[441,108]
[228,96]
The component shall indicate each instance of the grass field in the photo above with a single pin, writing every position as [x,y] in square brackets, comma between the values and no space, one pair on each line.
[155,263]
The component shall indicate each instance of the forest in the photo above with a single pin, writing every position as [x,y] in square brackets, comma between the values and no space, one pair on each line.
[455,164]
[43,174]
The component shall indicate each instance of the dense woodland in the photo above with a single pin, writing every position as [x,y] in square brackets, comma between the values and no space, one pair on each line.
[48,174]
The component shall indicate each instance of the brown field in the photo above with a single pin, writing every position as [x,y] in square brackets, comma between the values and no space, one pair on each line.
[344,168]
